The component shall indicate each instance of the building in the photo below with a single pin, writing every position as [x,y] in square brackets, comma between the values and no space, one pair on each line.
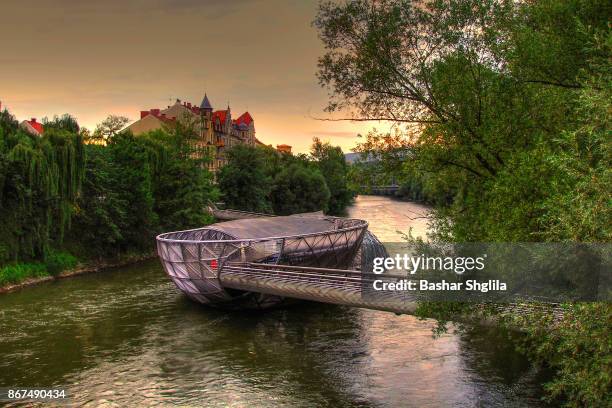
[32,126]
[283,148]
[216,129]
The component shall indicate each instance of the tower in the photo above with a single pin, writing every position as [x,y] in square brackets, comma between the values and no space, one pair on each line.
[228,120]
[206,117]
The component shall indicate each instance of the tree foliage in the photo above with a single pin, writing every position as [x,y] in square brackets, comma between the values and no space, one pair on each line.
[138,186]
[486,91]
[331,163]
[105,199]
[262,179]
[504,107]
[65,122]
[244,181]
[108,128]
[40,178]
[299,188]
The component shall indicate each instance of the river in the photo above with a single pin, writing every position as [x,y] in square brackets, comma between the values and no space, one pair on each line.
[127,337]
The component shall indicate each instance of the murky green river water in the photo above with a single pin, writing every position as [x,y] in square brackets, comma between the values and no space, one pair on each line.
[127,337]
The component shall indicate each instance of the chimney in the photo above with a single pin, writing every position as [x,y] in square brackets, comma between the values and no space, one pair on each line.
[189,105]
[143,114]
[33,120]
[155,112]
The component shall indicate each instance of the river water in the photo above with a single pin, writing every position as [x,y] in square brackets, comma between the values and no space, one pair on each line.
[127,337]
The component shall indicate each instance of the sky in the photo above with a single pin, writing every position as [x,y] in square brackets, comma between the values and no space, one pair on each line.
[91,59]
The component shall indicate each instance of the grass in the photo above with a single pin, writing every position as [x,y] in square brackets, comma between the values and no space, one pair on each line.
[55,263]
[19,272]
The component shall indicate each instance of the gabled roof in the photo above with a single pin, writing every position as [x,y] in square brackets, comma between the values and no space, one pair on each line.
[151,121]
[245,118]
[178,111]
[36,125]
[221,114]
[205,103]
[32,126]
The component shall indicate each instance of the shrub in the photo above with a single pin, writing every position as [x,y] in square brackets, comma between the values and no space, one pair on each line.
[58,262]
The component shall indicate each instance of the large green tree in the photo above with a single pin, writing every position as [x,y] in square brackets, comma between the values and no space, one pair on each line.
[331,163]
[138,186]
[484,90]
[504,106]
[101,212]
[182,185]
[40,178]
[245,182]
[298,188]
[134,186]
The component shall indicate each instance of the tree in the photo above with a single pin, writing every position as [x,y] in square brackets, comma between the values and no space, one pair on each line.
[101,213]
[505,108]
[182,184]
[65,122]
[482,98]
[244,182]
[299,188]
[109,127]
[8,123]
[40,178]
[331,163]
[137,187]
[133,184]
[578,207]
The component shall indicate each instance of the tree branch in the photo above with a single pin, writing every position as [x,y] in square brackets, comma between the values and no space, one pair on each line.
[552,83]
[385,119]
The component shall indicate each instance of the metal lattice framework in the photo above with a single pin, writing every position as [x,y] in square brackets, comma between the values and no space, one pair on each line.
[197,259]
[216,268]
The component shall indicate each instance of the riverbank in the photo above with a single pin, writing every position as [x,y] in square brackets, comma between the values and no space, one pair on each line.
[80,269]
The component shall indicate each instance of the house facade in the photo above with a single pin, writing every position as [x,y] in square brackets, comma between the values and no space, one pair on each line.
[217,130]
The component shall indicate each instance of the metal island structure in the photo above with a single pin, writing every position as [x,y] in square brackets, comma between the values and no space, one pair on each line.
[259,261]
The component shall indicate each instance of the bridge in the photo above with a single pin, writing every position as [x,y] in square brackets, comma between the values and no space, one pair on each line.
[335,286]
[389,190]
[260,261]
[247,263]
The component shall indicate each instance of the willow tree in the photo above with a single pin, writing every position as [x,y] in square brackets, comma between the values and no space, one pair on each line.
[40,178]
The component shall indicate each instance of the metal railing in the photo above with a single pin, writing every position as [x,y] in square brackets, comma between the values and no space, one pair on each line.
[193,259]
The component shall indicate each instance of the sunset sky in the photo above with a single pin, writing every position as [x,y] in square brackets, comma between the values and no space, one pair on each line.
[91,59]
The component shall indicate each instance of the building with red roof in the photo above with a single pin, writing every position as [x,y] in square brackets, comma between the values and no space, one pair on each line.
[32,126]
[216,128]
[283,148]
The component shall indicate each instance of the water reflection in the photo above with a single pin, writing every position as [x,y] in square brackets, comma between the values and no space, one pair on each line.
[127,337]
[389,219]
